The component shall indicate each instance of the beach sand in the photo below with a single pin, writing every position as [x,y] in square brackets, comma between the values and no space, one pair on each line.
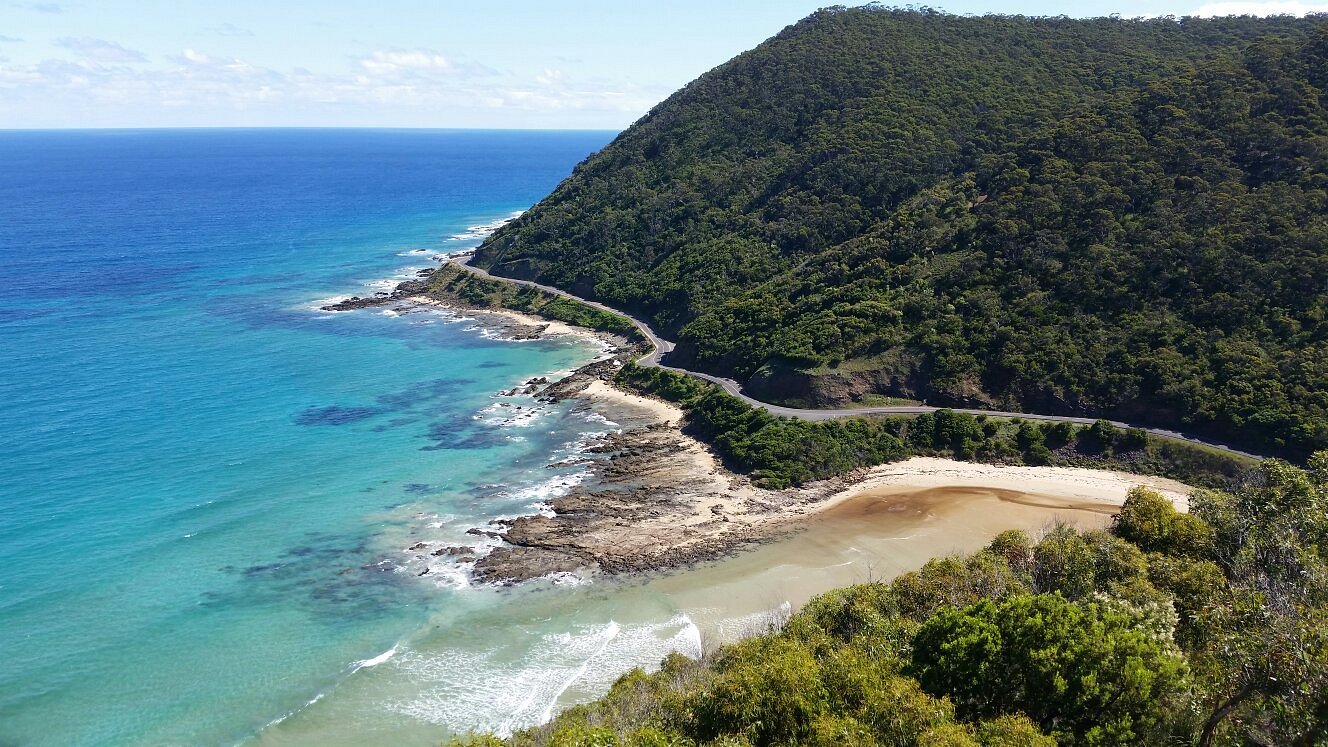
[1088,485]
[658,499]
[662,500]
[895,521]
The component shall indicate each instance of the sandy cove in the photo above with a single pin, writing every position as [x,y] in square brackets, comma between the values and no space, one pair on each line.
[659,499]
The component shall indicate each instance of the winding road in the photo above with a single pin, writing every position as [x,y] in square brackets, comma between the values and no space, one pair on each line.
[663,347]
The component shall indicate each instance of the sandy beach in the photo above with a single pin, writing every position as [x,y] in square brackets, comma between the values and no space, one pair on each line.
[1069,483]
[660,499]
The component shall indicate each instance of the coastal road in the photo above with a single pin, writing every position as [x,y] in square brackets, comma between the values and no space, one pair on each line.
[663,347]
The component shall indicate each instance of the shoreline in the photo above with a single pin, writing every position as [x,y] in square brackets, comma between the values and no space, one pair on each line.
[662,501]
[517,326]
[657,499]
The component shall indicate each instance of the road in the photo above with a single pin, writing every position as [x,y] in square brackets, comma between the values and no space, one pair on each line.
[663,347]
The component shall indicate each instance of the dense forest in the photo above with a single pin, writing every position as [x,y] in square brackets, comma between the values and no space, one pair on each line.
[1095,217]
[1206,628]
[780,452]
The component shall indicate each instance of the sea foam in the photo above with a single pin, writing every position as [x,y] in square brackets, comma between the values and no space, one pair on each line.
[503,690]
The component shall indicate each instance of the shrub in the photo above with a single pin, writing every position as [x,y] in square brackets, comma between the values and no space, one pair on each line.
[1150,521]
[1011,730]
[1082,672]
[769,690]
[1063,562]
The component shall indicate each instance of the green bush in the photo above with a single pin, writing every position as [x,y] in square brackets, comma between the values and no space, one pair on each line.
[1151,521]
[768,690]
[1012,730]
[1063,562]
[1082,672]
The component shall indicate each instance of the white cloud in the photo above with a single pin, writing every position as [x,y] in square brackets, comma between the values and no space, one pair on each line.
[4,38]
[193,57]
[406,88]
[195,64]
[416,61]
[101,50]
[1260,8]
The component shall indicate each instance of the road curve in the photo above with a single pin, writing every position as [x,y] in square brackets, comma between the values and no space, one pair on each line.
[663,347]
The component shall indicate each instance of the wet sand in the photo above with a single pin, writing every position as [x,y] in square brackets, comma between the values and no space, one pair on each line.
[662,500]
[874,536]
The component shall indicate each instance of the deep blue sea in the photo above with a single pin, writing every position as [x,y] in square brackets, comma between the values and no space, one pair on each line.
[208,486]
[218,502]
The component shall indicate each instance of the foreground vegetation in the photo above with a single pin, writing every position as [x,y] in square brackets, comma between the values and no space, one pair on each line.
[1093,217]
[458,286]
[1209,628]
[782,452]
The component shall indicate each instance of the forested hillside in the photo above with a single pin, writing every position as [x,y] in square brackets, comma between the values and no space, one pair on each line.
[1102,217]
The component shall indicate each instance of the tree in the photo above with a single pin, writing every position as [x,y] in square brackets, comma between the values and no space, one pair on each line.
[768,690]
[1270,651]
[1151,521]
[1083,673]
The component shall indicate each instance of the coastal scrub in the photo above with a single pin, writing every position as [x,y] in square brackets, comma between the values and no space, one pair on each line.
[1079,638]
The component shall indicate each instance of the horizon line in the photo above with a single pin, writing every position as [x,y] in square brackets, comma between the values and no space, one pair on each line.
[151,128]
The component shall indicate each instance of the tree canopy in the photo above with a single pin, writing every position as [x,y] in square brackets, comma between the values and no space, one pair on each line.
[1107,217]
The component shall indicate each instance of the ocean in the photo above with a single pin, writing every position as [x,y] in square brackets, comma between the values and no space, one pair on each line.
[209,485]
[213,494]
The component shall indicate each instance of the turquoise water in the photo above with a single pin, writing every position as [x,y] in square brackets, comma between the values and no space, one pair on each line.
[208,485]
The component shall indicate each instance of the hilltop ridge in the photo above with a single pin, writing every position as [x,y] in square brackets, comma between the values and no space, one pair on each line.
[1102,217]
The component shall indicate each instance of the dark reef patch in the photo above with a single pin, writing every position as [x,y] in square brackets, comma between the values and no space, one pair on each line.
[335,415]
[424,391]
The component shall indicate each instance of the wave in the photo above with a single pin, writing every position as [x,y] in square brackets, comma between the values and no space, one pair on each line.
[317,305]
[503,690]
[384,285]
[756,623]
[484,230]
[354,667]
[430,253]
[537,497]
[510,415]
[388,284]
[454,568]
[376,660]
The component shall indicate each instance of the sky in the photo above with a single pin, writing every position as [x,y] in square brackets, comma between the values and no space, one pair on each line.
[524,64]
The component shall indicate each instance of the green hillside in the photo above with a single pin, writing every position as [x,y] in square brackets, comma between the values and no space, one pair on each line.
[1103,217]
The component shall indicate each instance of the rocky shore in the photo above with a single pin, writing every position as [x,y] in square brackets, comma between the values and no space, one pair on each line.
[402,292]
[504,323]
[658,499]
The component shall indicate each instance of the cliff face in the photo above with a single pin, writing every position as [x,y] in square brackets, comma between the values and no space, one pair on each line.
[1097,217]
